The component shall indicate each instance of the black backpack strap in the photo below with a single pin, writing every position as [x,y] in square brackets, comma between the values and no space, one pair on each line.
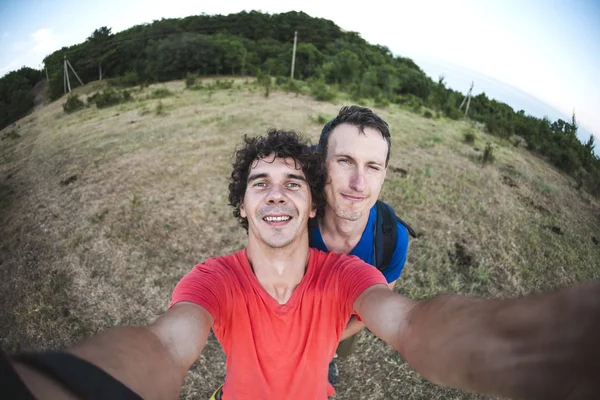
[386,232]
[410,230]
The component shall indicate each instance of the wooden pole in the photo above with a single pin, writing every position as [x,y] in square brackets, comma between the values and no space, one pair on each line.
[72,69]
[65,75]
[294,53]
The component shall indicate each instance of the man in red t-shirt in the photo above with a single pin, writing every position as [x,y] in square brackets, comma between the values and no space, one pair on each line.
[279,309]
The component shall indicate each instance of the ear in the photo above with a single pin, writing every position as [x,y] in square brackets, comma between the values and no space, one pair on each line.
[313,212]
[243,211]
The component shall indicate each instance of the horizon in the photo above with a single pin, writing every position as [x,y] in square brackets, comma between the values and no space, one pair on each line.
[573,91]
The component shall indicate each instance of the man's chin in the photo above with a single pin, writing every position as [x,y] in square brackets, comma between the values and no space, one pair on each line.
[349,215]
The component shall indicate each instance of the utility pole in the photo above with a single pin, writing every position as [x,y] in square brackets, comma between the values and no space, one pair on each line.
[66,82]
[67,73]
[100,71]
[294,53]
[467,99]
[72,69]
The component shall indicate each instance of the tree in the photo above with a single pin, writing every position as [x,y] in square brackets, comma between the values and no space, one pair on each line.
[100,51]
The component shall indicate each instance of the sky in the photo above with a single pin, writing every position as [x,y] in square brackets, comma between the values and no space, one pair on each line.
[548,50]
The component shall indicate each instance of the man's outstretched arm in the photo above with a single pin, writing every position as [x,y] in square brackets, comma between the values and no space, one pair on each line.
[151,361]
[538,347]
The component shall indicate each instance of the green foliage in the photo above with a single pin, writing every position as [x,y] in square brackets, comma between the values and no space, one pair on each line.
[16,98]
[73,104]
[321,91]
[428,114]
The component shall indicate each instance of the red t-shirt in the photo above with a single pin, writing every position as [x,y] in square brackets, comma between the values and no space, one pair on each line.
[278,351]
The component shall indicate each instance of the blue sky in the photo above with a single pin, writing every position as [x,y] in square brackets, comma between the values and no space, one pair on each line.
[547,49]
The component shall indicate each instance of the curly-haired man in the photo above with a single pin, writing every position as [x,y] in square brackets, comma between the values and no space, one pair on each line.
[279,308]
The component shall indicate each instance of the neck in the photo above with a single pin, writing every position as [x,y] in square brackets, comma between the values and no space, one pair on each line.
[279,270]
[341,235]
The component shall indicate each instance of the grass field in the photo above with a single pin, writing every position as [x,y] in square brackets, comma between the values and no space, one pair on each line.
[102,211]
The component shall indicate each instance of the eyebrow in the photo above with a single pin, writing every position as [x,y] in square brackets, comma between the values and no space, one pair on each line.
[262,175]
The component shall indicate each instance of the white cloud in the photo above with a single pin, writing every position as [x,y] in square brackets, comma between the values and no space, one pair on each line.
[11,66]
[45,41]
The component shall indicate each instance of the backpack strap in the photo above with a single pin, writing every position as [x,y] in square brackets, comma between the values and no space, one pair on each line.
[386,231]
[386,234]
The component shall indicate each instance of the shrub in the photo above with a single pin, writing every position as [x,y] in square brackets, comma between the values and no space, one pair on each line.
[127,80]
[73,104]
[264,80]
[428,114]
[160,93]
[321,91]
[160,109]
[106,98]
[224,84]
[190,80]
[469,137]
[126,95]
[488,154]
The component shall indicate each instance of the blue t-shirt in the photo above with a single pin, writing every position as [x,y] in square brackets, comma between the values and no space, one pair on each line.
[364,248]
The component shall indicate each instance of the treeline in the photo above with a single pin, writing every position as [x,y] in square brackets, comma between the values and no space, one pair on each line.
[253,43]
[16,96]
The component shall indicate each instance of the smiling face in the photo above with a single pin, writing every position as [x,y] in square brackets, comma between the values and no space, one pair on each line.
[355,170]
[277,202]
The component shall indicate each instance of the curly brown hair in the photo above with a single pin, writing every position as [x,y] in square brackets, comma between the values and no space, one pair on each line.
[283,144]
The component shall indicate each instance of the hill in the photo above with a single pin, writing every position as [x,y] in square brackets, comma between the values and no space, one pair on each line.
[104,209]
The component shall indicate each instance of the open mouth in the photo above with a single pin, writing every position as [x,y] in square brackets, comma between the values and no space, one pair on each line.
[275,219]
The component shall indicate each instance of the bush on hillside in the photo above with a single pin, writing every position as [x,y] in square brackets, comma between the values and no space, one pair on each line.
[321,91]
[73,104]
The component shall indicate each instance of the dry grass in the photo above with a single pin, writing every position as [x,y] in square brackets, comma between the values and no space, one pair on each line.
[102,211]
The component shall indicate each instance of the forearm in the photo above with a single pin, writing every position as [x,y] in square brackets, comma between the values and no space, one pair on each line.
[354,326]
[135,356]
[539,347]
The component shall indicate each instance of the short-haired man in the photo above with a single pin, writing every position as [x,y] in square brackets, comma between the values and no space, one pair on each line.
[279,308]
[355,146]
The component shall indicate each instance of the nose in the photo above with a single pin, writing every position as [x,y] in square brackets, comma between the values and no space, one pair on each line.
[276,195]
[358,181]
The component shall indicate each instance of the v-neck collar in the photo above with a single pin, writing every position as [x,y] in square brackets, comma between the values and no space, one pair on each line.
[270,300]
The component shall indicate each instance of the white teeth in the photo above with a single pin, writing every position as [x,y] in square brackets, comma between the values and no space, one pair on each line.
[276,219]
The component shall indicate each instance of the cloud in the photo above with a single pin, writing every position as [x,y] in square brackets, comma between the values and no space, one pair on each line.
[11,66]
[45,41]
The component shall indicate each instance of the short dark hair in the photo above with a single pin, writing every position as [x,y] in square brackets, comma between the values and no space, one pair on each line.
[283,144]
[360,117]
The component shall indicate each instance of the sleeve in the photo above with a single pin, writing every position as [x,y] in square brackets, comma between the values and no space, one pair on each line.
[203,285]
[356,276]
[394,268]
